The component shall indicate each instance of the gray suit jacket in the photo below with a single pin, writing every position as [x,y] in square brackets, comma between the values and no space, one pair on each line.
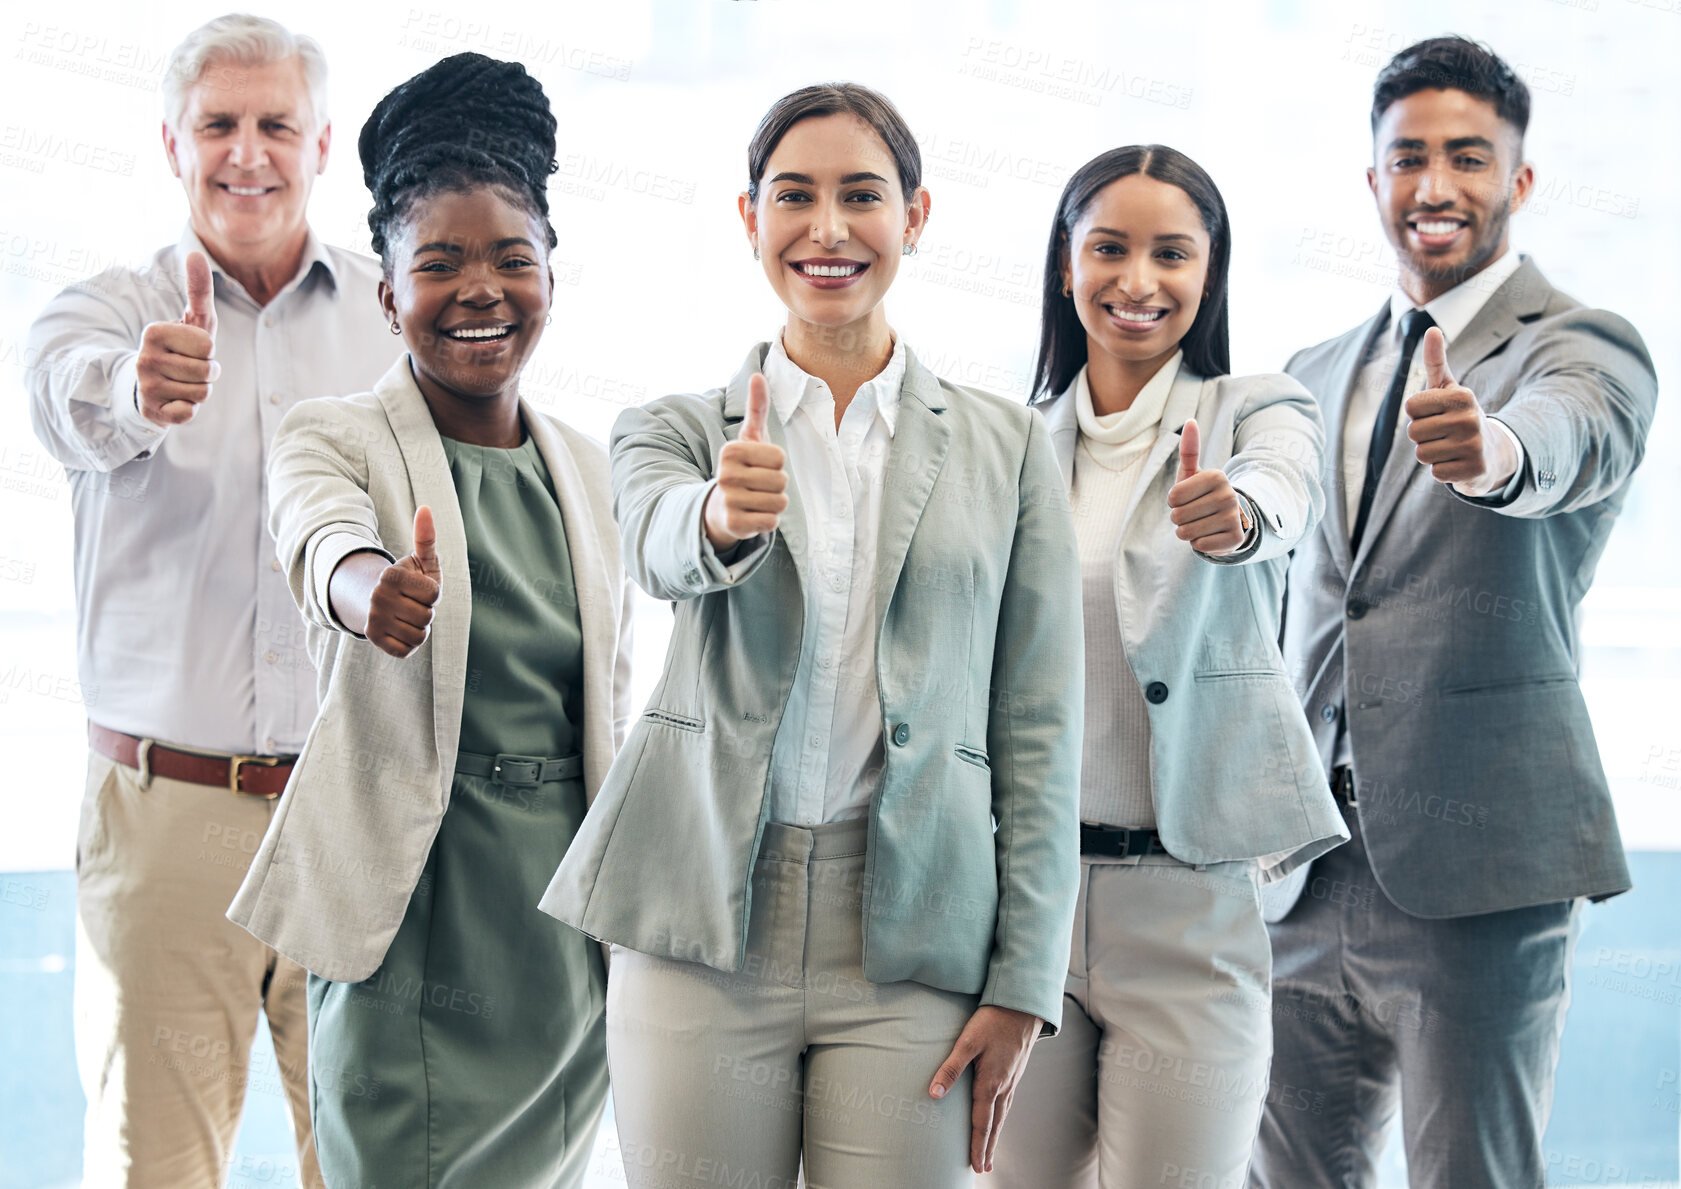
[332,878]
[973,855]
[1234,769]
[1451,636]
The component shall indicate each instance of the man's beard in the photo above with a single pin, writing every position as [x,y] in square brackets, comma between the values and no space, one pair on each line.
[1488,243]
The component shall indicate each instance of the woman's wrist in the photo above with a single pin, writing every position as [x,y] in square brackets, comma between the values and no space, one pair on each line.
[351,586]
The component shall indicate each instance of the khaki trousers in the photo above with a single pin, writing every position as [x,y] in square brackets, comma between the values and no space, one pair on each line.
[735,1079]
[1160,1071]
[168,989]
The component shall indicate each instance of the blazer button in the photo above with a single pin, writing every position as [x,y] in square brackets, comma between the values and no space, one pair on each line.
[1155,692]
[1356,610]
[901,734]
[1329,714]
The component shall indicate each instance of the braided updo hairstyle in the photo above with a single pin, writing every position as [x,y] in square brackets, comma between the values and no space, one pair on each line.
[462,123]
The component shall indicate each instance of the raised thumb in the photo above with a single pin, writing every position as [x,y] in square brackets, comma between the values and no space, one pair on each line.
[758,406]
[1190,449]
[201,306]
[1435,349]
[425,541]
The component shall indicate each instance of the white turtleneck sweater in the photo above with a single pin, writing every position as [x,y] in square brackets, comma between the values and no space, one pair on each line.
[1109,460]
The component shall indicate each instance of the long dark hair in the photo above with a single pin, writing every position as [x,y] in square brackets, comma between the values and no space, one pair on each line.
[1062,340]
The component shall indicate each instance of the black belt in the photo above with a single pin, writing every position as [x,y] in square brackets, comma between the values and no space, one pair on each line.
[1342,785]
[512,769]
[1117,842]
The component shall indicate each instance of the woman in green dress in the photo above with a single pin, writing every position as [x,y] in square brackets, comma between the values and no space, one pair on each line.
[472,649]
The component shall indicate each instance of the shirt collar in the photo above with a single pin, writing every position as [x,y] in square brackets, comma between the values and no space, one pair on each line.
[1142,415]
[315,252]
[790,386]
[1453,310]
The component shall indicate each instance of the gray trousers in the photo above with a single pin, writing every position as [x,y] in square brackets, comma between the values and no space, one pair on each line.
[734,1079]
[1159,1071]
[1456,1021]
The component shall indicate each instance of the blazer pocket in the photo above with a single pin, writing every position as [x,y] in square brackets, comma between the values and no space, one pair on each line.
[669,718]
[1240,674]
[973,755]
[1513,685]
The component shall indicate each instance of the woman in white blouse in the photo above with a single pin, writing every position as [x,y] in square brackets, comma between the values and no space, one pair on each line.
[1199,778]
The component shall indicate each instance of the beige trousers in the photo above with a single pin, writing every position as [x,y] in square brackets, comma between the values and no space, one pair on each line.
[168,989]
[735,1079]
[1160,1071]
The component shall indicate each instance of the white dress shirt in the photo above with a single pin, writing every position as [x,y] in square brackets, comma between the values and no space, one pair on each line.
[1452,312]
[186,630]
[828,747]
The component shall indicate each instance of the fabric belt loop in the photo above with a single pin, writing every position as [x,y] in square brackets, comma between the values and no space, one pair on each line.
[144,762]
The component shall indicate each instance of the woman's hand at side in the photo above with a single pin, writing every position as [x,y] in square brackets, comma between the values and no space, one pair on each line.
[996,1040]
[390,602]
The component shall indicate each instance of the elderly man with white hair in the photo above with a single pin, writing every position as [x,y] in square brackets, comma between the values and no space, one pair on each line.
[159,389]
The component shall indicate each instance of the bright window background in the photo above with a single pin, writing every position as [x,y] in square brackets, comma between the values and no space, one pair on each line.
[657,291]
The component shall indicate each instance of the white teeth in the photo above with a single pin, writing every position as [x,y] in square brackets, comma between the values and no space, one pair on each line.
[1437,226]
[1129,316]
[483,332]
[247,191]
[830,270]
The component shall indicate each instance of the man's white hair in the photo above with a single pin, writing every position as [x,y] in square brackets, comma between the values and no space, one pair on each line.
[249,41]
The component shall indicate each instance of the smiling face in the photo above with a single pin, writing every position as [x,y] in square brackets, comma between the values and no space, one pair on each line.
[247,151]
[471,287]
[1137,263]
[831,221]
[1448,176]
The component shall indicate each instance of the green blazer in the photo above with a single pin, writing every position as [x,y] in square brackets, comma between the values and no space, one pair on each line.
[973,854]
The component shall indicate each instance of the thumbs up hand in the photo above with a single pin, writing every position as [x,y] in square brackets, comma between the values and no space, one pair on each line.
[400,608]
[1452,436]
[748,498]
[1205,506]
[174,371]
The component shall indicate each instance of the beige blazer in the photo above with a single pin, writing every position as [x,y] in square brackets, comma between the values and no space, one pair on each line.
[332,877]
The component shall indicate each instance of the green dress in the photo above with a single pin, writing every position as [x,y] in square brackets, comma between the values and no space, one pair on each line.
[475,1056]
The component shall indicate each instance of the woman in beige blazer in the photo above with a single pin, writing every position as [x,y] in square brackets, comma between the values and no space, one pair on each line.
[1199,778]
[453,553]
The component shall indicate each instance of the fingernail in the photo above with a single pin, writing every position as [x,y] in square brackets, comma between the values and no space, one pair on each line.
[938,1091]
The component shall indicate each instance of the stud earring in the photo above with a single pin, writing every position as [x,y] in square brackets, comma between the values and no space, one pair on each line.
[908,250]
[755,251]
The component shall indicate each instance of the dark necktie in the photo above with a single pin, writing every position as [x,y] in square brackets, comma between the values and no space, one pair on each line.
[1413,325]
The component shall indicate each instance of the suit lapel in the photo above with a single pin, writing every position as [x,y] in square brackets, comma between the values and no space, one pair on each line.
[1182,401]
[1342,371]
[432,484]
[1524,292]
[792,536]
[921,439]
[1063,424]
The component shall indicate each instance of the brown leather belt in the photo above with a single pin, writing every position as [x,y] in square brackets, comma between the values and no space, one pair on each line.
[259,776]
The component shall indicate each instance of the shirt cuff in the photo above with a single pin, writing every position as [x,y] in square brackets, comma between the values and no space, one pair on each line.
[1250,543]
[1500,492]
[733,563]
[125,410]
[325,558]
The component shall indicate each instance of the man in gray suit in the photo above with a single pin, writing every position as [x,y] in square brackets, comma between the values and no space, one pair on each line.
[1432,632]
